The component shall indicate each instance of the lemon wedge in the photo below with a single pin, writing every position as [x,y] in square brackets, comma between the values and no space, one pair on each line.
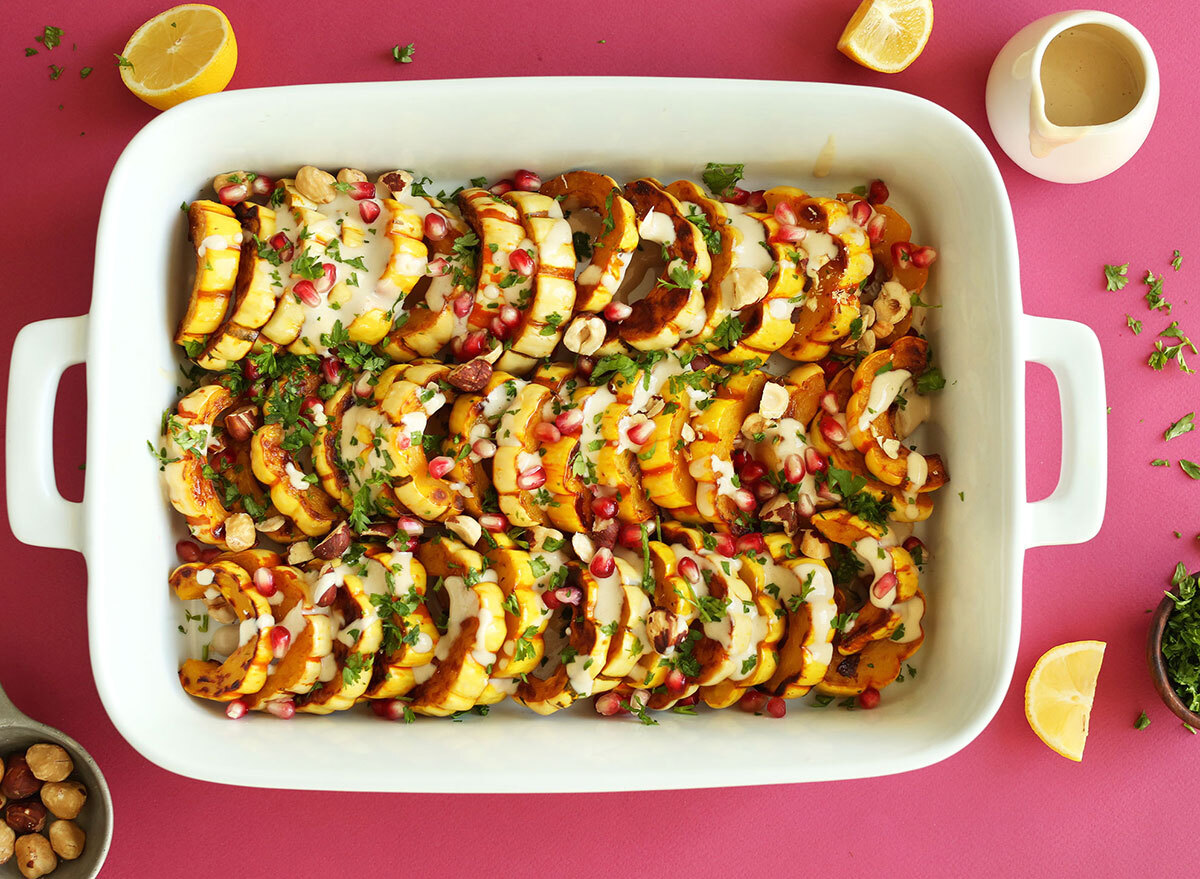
[182,53]
[887,35]
[1059,693]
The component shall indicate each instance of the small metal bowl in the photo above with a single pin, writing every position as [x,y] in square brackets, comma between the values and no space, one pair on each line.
[17,733]
[1158,668]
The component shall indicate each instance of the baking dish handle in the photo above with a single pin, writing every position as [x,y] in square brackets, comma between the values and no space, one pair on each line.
[38,514]
[1073,513]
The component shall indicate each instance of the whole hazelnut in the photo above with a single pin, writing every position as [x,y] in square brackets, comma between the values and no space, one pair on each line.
[49,762]
[64,799]
[35,857]
[67,839]
[27,816]
[7,838]
[19,781]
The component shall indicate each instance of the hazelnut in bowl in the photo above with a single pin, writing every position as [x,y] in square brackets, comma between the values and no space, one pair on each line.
[1173,647]
[55,808]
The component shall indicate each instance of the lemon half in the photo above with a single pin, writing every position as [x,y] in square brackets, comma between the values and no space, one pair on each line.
[1059,694]
[182,53]
[887,35]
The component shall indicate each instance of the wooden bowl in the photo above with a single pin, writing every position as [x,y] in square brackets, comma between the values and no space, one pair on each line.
[1158,668]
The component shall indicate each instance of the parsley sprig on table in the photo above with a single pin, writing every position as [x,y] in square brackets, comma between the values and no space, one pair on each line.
[721,178]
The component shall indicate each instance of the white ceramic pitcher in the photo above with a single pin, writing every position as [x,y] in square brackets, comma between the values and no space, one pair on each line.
[1079,109]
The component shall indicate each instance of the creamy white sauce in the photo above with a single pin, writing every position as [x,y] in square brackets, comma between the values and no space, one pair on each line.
[884,389]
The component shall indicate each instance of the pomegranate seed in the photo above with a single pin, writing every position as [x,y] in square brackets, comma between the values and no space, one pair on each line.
[250,369]
[740,458]
[757,201]
[282,245]
[764,491]
[913,545]
[500,187]
[328,277]
[435,226]
[788,235]
[585,365]
[751,471]
[509,315]
[609,704]
[411,526]
[327,597]
[877,228]
[752,701]
[784,214]
[281,640]
[776,707]
[606,508]
[737,195]
[462,304]
[689,570]
[860,212]
[311,402]
[868,698]
[521,262]
[745,500]
[751,543]
[331,369]
[829,402]
[923,257]
[901,254]
[689,700]
[814,461]
[264,582]
[805,506]
[570,422]
[531,478]
[369,211]
[493,522]
[500,329]
[210,554]
[388,709]
[262,184]
[437,267]
[361,190]
[602,564]
[877,192]
[676,681]
[362,387]
[235,709]
[832,430]
[639,434]
[440,466]
[187,551]
[527,181]
[474,344]
[572,595]
[630,536]
[617,311]
[885,584]
[308,293]
[547,432]
[725,545]
[551,601]
[825,493]
[233,193]
[284,710]
[484,448]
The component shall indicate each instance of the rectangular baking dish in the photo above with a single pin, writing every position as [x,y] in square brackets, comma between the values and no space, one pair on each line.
[941,177]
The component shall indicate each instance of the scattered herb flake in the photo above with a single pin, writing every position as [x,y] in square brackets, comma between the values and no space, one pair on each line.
[1115,277]
[403,54]
[1180,427]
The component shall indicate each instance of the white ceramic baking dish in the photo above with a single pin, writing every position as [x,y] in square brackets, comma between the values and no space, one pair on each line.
[940,175]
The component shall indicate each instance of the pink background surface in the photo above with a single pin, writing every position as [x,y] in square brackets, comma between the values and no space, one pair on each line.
[1004,801]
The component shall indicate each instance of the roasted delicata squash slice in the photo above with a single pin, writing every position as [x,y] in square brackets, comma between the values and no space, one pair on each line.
[473,603]
[730,286]
[497,225]
[474,417]
[880,662]
[395,586]
[716,427]
[525,616]
[217,236]
[645,643]
[254,292]
[877,383]
[517,471]
[663,460]
[541,319]
[313,511]
[674,308]
[357,635]
[893,571]
[613,238]
[185,457]
[245,670]
[310,640]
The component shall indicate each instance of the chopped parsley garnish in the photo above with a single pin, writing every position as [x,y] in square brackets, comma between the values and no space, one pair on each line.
[1180,427]
[403,54]
[1191,468]
[122,61]
[51,36]
[1154,297]
[1143,721]
[1115,277]
[721,178]
[679,277]
[1135,325]
[712,238]
[1163,354]
[930,380]
[728,333]
[1176,263]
